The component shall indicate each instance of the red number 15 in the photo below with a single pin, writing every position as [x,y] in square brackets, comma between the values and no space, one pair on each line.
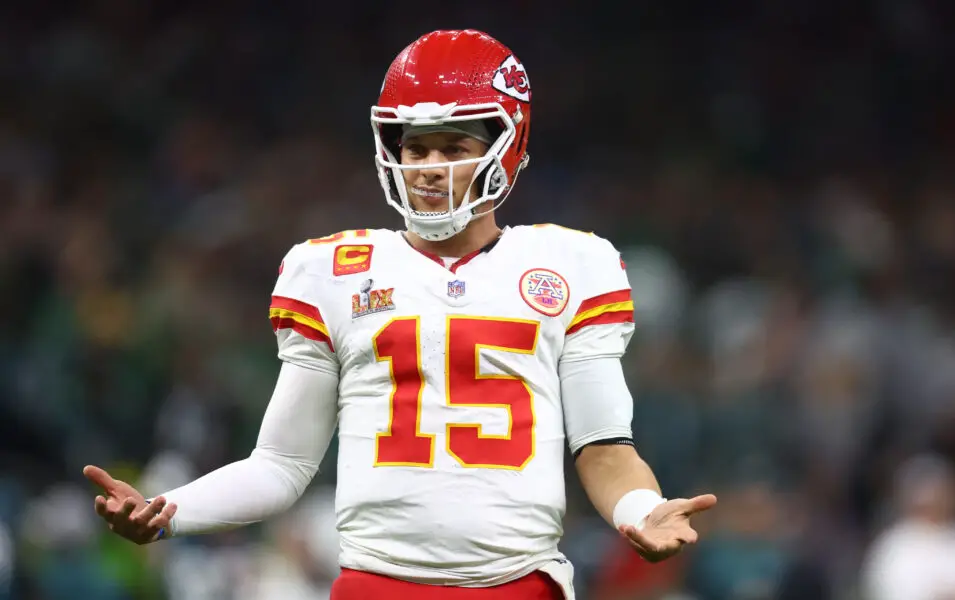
[399,343]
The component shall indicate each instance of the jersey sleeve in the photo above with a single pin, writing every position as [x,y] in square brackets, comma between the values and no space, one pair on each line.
[302,334]
[602,325]
[596,402]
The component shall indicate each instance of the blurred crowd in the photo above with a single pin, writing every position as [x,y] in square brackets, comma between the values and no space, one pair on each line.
[780,178]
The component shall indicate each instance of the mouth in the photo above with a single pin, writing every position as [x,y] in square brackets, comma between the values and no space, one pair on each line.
[428,192]
[433,198]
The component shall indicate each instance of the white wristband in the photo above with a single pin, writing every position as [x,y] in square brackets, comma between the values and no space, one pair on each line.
[634,507]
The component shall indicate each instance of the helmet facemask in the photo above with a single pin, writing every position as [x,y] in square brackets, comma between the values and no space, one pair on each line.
[490,176]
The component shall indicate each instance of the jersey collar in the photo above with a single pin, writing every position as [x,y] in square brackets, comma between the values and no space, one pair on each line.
[464,259]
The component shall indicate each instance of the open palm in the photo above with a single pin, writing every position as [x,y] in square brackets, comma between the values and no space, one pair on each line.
[667,528]
[126,510]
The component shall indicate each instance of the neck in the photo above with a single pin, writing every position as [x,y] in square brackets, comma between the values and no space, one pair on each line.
[480,232]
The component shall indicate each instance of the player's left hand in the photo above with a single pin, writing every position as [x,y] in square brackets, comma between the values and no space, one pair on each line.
[667,528]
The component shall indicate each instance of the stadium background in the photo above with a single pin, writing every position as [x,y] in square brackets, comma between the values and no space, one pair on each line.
[778,175]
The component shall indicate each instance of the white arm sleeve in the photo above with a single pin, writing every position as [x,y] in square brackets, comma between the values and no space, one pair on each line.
[296,429]
[596,401]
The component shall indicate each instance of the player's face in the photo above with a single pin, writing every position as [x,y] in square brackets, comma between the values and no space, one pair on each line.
[428,186]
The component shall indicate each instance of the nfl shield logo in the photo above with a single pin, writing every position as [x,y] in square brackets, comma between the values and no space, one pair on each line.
[456,288]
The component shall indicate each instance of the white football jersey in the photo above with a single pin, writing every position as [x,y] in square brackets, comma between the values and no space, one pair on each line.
[451,429]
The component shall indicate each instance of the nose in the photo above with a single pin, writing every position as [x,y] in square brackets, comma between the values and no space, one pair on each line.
[431,172]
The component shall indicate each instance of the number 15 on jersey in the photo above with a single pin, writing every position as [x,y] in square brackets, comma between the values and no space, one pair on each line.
[403,444]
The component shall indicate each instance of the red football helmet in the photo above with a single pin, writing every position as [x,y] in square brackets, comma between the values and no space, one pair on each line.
[443,79]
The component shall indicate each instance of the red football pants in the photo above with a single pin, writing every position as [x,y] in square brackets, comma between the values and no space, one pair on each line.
[358,585]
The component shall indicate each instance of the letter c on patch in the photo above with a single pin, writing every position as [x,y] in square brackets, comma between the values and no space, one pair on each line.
[351,259]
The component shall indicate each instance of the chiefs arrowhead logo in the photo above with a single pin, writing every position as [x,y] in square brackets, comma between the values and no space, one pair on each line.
[511,79]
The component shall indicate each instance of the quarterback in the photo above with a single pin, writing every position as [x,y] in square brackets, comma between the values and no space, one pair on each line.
[456,358]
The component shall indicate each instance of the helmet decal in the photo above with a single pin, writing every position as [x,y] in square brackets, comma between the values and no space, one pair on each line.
[511,79]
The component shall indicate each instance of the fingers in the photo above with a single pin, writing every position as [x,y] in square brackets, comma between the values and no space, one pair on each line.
[163,519]
[127,513]
[100,505]
[640,540]
[115,516]
[135,520]
[154,516]
[668,528]
[688,536]
[129,505]
[148,512]
[701,503]
[655,548]
[693,505]
[99,477]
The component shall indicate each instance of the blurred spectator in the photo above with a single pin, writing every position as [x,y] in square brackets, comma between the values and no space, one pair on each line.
[302,562]
[915,557]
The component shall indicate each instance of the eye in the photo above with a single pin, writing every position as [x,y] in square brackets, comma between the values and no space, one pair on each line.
[415,151]
[455,149]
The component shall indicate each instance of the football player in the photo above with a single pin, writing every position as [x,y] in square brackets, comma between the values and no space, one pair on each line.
[457,359]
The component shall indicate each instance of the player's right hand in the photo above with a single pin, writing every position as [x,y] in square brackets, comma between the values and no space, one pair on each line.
[126,510]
